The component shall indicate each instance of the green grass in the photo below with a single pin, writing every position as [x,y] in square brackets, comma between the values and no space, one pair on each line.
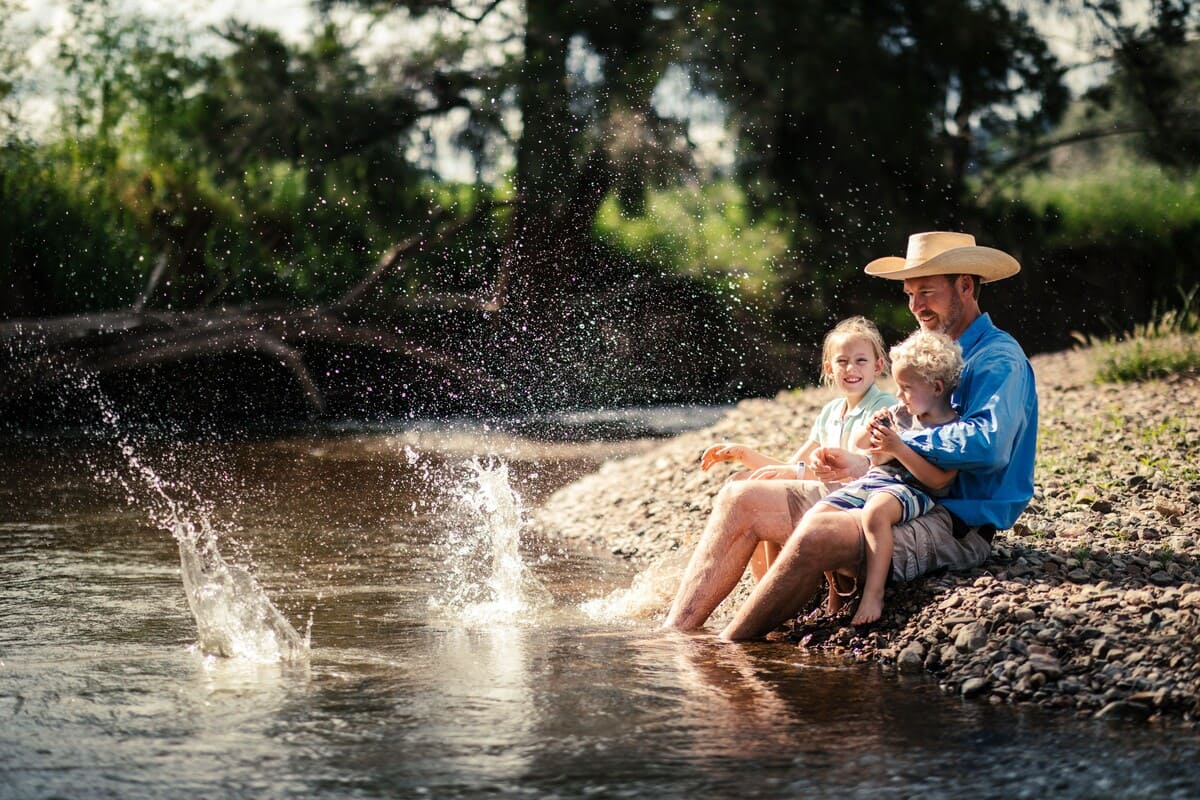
[1169,344]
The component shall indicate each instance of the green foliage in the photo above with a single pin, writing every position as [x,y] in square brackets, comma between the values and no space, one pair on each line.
[271,172]
[264,169]
[64,246]
[859,163]
[1121,199]
[1139,360]
[706,233]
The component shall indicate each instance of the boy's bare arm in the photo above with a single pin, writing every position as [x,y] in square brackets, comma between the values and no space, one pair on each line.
[923,470]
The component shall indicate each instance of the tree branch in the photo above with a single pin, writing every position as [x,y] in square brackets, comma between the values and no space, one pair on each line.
[156,274]
[477,19]
[1041,148]
[394,257]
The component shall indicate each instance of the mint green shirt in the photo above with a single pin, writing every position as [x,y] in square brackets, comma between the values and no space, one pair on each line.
[832,429]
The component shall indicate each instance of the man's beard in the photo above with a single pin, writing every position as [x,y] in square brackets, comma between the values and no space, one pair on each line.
[953,316]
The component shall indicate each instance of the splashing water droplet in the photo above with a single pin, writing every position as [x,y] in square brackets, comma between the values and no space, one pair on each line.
[234,617]
[487,580]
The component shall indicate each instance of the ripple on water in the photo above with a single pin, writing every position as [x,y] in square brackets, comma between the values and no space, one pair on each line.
[100,689]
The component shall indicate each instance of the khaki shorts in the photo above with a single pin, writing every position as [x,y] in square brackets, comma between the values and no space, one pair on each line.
[920,546]
[926,544]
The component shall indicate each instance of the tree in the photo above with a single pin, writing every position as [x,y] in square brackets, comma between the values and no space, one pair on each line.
[865,118]
[1155,81]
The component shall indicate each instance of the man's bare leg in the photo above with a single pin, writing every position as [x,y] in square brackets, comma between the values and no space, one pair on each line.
[822,542]
[766,552]
[744,514]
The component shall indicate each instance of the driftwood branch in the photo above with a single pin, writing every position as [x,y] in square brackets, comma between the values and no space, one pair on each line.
[111,343]
[50,353]
[477,18]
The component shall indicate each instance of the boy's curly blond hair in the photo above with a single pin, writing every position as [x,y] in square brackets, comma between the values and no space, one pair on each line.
[933,356]
[846,330]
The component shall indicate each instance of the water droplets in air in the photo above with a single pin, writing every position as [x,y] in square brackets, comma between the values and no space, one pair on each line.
[234,617]
[485,578]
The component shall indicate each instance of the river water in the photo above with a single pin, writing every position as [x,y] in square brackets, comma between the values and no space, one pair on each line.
[330,616]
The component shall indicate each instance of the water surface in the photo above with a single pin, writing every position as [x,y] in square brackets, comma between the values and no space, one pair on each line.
[415,678]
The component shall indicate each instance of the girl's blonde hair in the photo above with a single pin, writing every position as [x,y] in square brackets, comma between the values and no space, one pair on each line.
[846,330]
[933,356]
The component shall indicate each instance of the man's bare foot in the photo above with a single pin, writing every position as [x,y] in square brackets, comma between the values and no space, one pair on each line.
[869,610]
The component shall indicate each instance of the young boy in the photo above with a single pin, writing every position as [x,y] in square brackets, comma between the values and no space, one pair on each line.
[901,484]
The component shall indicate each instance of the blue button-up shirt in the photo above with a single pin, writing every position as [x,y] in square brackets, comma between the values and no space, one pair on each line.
[994,443]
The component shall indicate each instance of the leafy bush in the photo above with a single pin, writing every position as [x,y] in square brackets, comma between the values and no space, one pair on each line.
[705,233]
[1125,199]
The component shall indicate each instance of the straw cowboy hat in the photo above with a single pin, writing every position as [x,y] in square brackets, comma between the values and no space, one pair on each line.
[941,253]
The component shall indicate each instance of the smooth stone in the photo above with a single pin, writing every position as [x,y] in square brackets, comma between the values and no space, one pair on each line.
[1124,710]
[971,637]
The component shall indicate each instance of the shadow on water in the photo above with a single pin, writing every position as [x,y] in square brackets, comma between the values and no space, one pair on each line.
[452,654]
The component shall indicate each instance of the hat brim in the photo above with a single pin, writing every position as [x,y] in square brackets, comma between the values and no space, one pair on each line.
[988,263]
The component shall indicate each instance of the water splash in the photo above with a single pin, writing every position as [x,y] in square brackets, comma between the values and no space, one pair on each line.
[234,616]
[486,579]
[648,597]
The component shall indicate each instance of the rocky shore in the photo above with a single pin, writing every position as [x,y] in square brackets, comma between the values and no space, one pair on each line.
[1090,604]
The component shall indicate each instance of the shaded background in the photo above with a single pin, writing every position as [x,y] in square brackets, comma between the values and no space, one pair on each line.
[389,209]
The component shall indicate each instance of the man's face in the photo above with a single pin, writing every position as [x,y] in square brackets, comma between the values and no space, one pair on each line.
[937,304]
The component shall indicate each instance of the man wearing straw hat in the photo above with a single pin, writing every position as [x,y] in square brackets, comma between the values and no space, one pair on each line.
[992,446]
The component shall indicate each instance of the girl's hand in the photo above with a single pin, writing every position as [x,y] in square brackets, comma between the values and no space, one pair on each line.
[832,464]
[777,472]
[719,454]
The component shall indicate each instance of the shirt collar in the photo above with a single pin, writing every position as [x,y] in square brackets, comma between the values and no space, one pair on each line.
[975,333]
[865,401]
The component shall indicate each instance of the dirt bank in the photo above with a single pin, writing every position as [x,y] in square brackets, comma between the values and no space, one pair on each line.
[1091,603]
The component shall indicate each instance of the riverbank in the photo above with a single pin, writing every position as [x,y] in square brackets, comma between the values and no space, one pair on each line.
[1091,604]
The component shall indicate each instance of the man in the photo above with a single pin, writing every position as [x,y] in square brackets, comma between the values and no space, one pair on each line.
[993,446]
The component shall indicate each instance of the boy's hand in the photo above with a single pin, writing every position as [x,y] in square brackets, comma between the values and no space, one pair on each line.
[884,439]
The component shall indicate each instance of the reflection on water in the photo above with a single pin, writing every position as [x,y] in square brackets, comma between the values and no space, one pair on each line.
[103,692]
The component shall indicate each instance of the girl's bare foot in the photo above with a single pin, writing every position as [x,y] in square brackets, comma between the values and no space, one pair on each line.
[833,603]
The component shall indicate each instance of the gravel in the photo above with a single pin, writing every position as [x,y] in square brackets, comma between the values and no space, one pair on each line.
[1090,604]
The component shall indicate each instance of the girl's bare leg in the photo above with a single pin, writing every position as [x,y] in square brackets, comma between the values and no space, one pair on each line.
[764,556]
